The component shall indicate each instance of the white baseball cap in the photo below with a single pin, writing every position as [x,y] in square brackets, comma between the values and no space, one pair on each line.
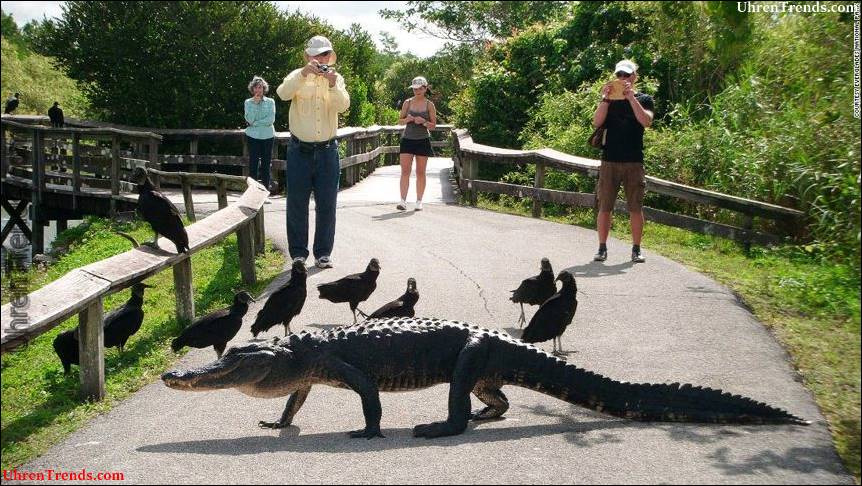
[317,44]
[626,66]
[418,82]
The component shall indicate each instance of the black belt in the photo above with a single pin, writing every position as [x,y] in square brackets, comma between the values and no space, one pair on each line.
[312,145]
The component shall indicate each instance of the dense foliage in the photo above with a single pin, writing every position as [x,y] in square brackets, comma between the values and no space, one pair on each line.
[758,106]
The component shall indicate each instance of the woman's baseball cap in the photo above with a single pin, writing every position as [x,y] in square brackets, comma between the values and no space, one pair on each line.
[418,82]
[317,44]
[626,66]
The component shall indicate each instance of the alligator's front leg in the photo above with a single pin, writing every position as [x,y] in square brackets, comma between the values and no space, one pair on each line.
[470,365]
[294,403]
[362,384]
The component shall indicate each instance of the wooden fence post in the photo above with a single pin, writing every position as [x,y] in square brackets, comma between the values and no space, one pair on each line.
[188,202]
[245,241]
[259,233]
[154,154]
[36,208]
[115,173]
[76,169]
[185,300]
[748,225]
[221,191]
[91,349]
[538,184]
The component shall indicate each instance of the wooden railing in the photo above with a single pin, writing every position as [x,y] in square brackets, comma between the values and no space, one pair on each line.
[104,172]
[82,290]
[468,155]
[87,174]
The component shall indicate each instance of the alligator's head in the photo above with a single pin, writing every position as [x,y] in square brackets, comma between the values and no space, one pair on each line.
[240,367]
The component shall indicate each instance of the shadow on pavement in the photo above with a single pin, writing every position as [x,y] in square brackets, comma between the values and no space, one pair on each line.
[599,269]
[397,214]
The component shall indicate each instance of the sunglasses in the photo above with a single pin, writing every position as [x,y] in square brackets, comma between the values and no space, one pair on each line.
[322,54]
[623,75]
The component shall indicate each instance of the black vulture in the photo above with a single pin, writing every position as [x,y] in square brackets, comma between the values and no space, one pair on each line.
[352,288]
[552,318]
[123,323]
[55,113]
[216,328]
[119,325]
[400,307]
[11,104]
[285,303]
[66,347]
[160,212]
[535,290]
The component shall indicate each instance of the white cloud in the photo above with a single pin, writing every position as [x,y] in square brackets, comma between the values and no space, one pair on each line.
[24,12]
[342,14]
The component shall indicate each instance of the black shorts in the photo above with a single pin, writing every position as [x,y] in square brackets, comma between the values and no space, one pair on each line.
[421,146]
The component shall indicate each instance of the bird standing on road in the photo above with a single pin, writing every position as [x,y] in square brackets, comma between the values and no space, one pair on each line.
[160,212]
[11,104]
[354,288]
[285,303]
[535,290]
[55,113]
[216,328]
[552,318]
[400,307]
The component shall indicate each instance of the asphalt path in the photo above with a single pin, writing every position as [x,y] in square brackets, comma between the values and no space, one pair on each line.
[655,322]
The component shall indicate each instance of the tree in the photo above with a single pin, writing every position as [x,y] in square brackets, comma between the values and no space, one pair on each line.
[473,22]
[187,64]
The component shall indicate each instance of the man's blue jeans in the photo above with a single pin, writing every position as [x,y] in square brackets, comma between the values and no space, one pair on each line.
[311,169]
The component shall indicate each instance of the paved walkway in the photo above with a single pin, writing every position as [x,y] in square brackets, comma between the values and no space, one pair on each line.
[655,322]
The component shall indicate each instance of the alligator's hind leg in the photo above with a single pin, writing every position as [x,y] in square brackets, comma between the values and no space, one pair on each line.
[496,401]
[294,403]
[470,363]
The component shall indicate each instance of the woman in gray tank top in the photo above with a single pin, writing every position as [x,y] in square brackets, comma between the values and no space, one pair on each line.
[419,116]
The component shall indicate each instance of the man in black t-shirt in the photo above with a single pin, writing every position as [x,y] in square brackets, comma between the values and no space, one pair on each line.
[622,156]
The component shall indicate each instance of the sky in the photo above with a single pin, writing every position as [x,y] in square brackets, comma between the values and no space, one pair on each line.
[338,14]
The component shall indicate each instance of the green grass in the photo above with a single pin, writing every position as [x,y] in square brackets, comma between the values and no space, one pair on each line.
[40,405]
[811,306]
[39,84]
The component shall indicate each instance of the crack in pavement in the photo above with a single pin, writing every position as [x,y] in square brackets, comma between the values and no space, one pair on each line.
[481,290]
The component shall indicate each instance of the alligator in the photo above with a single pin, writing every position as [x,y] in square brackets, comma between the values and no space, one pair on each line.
[402,354]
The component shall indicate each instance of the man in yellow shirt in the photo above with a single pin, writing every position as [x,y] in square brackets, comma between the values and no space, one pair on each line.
[317,95]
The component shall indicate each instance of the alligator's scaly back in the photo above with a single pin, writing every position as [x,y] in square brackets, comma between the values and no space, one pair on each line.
[673,402]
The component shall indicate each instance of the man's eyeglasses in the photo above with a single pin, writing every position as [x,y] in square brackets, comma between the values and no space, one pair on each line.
[623,75]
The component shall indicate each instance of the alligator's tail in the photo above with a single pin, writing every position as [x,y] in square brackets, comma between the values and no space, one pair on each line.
[642,401]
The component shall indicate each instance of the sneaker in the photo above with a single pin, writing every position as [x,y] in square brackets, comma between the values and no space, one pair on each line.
[324,262]
[419,205]
[402,206]
[299,259]
[601,256]
[637,257]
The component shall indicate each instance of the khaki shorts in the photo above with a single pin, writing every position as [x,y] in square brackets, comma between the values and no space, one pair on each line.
[630,175]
